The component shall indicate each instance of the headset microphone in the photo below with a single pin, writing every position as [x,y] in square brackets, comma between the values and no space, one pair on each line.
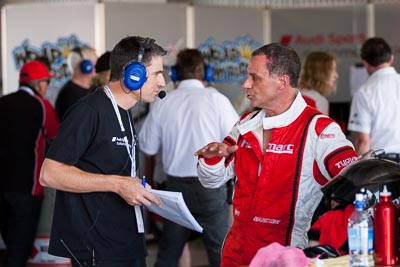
[161,94]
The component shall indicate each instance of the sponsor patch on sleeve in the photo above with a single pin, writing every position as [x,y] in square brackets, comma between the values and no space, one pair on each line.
[339,159]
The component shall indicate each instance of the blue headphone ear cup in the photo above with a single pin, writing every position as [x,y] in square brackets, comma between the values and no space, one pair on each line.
[86,66]
[134,76]
[173,74]
[208,76]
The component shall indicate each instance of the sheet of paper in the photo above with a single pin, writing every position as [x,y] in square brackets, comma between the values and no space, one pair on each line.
[174,209]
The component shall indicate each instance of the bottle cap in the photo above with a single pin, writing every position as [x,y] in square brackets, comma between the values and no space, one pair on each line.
[359,203]
[385,192]
[359,197]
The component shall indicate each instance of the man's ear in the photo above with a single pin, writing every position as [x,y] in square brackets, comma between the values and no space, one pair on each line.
[284,81]
[368,67]
[41,90]
[391,59]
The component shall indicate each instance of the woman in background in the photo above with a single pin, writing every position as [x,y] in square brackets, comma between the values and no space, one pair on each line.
[318,79]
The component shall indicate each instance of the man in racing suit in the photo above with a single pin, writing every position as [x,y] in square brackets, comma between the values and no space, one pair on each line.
[281,156]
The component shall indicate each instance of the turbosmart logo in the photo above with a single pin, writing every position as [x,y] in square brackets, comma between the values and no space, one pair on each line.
[280,148]
[345,162]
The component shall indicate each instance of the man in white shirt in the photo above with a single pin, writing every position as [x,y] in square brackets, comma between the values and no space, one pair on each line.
[375,109]
[187,119]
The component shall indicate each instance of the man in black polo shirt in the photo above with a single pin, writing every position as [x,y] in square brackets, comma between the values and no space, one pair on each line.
[92,164]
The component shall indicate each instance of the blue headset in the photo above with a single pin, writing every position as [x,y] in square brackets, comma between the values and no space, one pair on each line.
[208,75]
[86,66]
[134,73]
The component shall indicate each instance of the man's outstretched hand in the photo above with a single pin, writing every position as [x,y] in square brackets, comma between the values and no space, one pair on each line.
[216,150]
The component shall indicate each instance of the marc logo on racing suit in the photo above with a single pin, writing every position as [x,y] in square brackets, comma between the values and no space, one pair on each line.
[280,149]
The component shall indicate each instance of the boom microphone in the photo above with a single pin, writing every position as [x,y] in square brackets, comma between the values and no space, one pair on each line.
[161,94]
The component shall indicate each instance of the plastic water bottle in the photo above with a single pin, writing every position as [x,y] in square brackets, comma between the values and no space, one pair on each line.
[360,235]
[386,230]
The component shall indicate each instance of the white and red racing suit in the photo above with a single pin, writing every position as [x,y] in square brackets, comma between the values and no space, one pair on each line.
[276,192]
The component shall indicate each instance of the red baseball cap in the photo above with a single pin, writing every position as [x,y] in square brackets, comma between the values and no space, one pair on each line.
[34,71]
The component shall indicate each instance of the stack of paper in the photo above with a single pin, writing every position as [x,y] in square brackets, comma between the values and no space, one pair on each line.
[174,209]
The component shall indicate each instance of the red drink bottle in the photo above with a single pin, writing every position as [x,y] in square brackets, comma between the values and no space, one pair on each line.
[386,230]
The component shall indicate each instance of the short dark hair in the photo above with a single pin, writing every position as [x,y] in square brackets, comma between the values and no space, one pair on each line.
[284,61]
[375,51]
[127,50]
[190,64]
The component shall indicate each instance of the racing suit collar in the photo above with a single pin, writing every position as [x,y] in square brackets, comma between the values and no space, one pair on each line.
[277,121]
[286,117]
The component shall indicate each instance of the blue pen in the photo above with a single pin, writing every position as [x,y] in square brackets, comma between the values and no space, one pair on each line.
[144,181]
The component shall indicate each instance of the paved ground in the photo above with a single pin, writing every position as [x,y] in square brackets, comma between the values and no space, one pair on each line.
[198,254]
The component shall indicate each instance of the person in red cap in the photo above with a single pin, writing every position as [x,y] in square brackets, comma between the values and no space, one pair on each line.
[27,120]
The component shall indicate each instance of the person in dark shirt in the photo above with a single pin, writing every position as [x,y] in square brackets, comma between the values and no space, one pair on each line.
[81,61]
[27,120]
[92,164]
